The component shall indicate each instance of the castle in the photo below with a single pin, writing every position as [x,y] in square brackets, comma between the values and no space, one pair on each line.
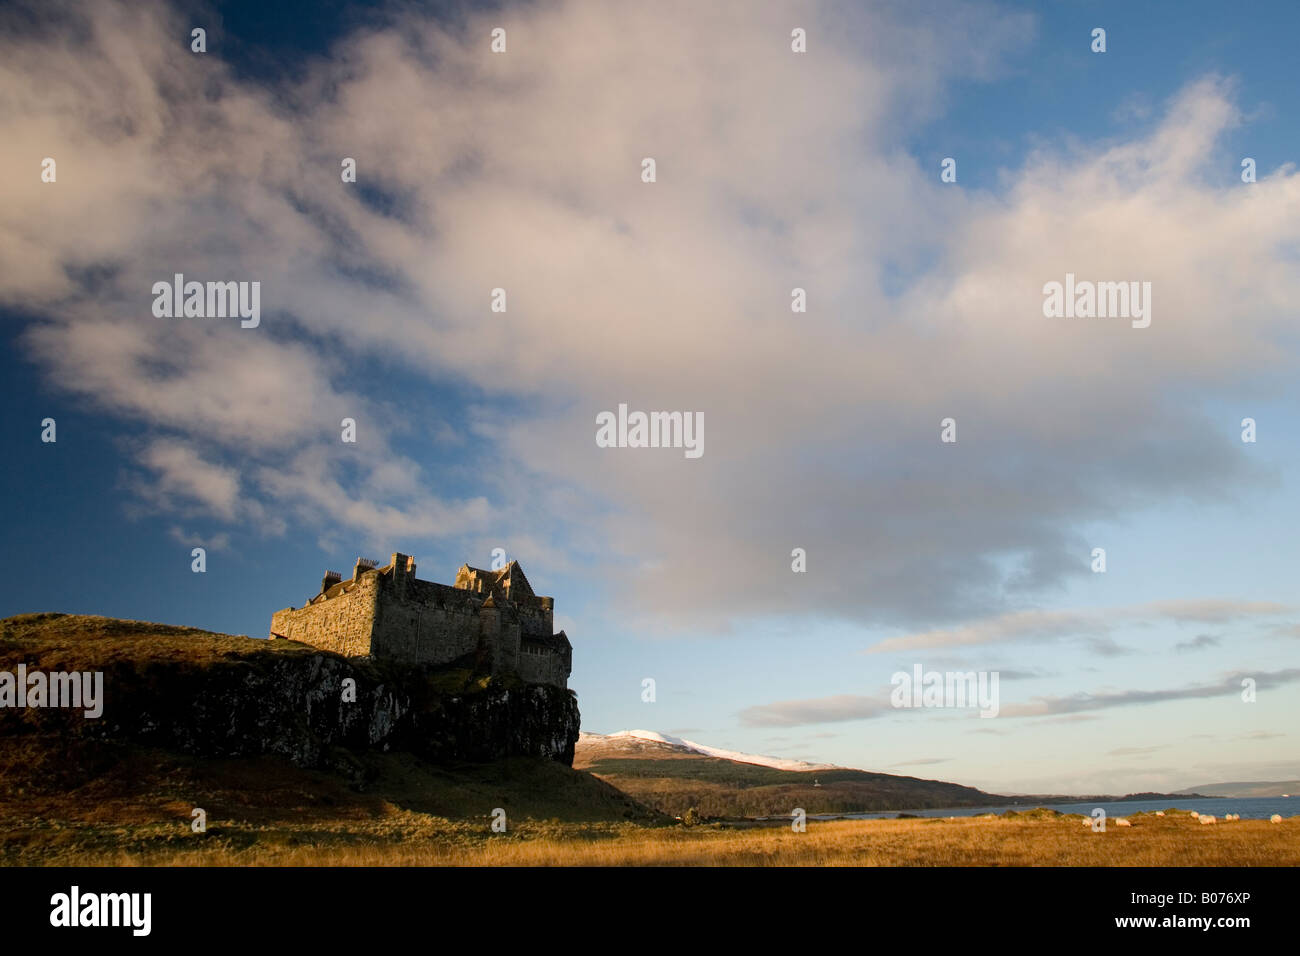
[388,612]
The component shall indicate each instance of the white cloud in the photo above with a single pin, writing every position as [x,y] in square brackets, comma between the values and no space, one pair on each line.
[1094,624]
[182,473]
[215,542]
[521,171]
[1062,709]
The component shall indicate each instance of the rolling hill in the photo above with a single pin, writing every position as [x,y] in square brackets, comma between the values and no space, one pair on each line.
[780,763]
[1256,788]
[673,775]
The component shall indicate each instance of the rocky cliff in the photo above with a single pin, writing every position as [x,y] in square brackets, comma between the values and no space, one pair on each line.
[217,695]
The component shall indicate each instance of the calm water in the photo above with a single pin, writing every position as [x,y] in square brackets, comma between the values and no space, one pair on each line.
[1250,808]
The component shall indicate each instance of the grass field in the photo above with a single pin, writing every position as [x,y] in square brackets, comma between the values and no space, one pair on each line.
[100,804]
[406,838]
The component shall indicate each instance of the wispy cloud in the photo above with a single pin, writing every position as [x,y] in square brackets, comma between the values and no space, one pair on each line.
[1198,643]
[214,542]
[1134,751]
[792,713]
[1094,626]
[1070,708]
[1044,706]
[183,473]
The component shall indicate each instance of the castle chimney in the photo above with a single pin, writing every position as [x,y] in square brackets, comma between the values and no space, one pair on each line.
[361,567]
[331,578]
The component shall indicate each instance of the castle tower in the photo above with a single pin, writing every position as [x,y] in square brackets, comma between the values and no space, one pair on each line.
[403,566]
[489,622]
[499,627]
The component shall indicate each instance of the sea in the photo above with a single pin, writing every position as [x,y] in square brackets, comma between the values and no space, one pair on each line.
[1250,808]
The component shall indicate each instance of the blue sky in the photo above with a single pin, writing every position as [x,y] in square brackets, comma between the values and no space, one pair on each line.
[776,170]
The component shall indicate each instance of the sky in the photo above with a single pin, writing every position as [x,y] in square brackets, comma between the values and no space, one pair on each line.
[774,170]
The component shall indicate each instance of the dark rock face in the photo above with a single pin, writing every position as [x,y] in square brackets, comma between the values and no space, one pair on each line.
[293,705]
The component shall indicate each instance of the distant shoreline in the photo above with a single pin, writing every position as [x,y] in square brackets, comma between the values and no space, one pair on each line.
[1252,808]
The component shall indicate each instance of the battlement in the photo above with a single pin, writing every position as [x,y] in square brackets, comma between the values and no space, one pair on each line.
[389,612]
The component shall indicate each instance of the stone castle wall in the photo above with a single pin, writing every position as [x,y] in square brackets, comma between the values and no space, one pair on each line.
[411,630]
[546,667]
[536,619]
[341,624]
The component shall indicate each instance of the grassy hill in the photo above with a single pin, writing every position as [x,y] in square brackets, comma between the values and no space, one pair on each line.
[97,803]
[1256,788]
[195,719]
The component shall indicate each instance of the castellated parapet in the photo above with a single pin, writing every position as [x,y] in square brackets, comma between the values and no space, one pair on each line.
[388,612]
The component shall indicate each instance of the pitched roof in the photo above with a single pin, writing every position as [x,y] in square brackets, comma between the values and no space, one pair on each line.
[518,578]
[519,583]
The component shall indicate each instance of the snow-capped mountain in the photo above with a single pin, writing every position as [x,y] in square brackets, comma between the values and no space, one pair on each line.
[778,763]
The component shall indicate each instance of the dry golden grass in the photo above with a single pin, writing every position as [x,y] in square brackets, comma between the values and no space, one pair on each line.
[404,838]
